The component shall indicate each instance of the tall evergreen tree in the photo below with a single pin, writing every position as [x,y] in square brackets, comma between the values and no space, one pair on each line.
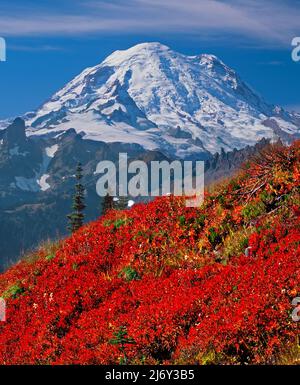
[107,203]
[76,217]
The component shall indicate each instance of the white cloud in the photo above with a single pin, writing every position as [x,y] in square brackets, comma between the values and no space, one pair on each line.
[266,21]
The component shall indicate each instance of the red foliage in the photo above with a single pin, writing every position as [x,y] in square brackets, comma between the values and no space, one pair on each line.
[153,270]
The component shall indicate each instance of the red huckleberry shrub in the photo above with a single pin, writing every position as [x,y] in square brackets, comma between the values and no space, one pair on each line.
[212,284]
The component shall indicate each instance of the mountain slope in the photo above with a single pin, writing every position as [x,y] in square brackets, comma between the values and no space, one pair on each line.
[37,182]
[161,99]
[188,285]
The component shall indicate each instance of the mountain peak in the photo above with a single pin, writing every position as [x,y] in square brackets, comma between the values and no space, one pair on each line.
[144,94]
[150,46]
[15,132]
[120,56]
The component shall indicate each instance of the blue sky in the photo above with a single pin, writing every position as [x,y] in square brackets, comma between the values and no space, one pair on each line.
[51,41]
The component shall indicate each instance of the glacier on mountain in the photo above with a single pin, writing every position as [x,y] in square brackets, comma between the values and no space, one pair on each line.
[158,98]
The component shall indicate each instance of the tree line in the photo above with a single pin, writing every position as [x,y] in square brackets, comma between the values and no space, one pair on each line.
[76,217]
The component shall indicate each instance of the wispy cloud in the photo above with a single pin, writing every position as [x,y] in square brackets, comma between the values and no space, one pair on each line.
[35,48]
[267,21]
[276,63]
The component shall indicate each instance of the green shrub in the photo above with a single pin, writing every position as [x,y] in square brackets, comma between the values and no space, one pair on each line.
[200,221]
[13,291]
[182,220]
[213,237]
[129,274]
[253,210]
[49,257]
[236,243]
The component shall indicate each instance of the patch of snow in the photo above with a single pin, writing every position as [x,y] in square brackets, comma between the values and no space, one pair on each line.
[51,151]
[103,132]
[39,182]
[288,127]
[5,123]
[42,182]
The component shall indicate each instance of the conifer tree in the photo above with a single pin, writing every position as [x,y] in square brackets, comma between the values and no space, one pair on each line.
[107,204]
[76,218]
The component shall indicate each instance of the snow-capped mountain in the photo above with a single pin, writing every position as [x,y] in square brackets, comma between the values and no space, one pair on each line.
[161,99]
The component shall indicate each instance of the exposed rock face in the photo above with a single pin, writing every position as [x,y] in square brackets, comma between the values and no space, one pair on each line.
[15,133]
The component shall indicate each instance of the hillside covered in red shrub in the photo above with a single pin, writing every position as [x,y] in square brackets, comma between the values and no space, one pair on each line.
[165,284]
